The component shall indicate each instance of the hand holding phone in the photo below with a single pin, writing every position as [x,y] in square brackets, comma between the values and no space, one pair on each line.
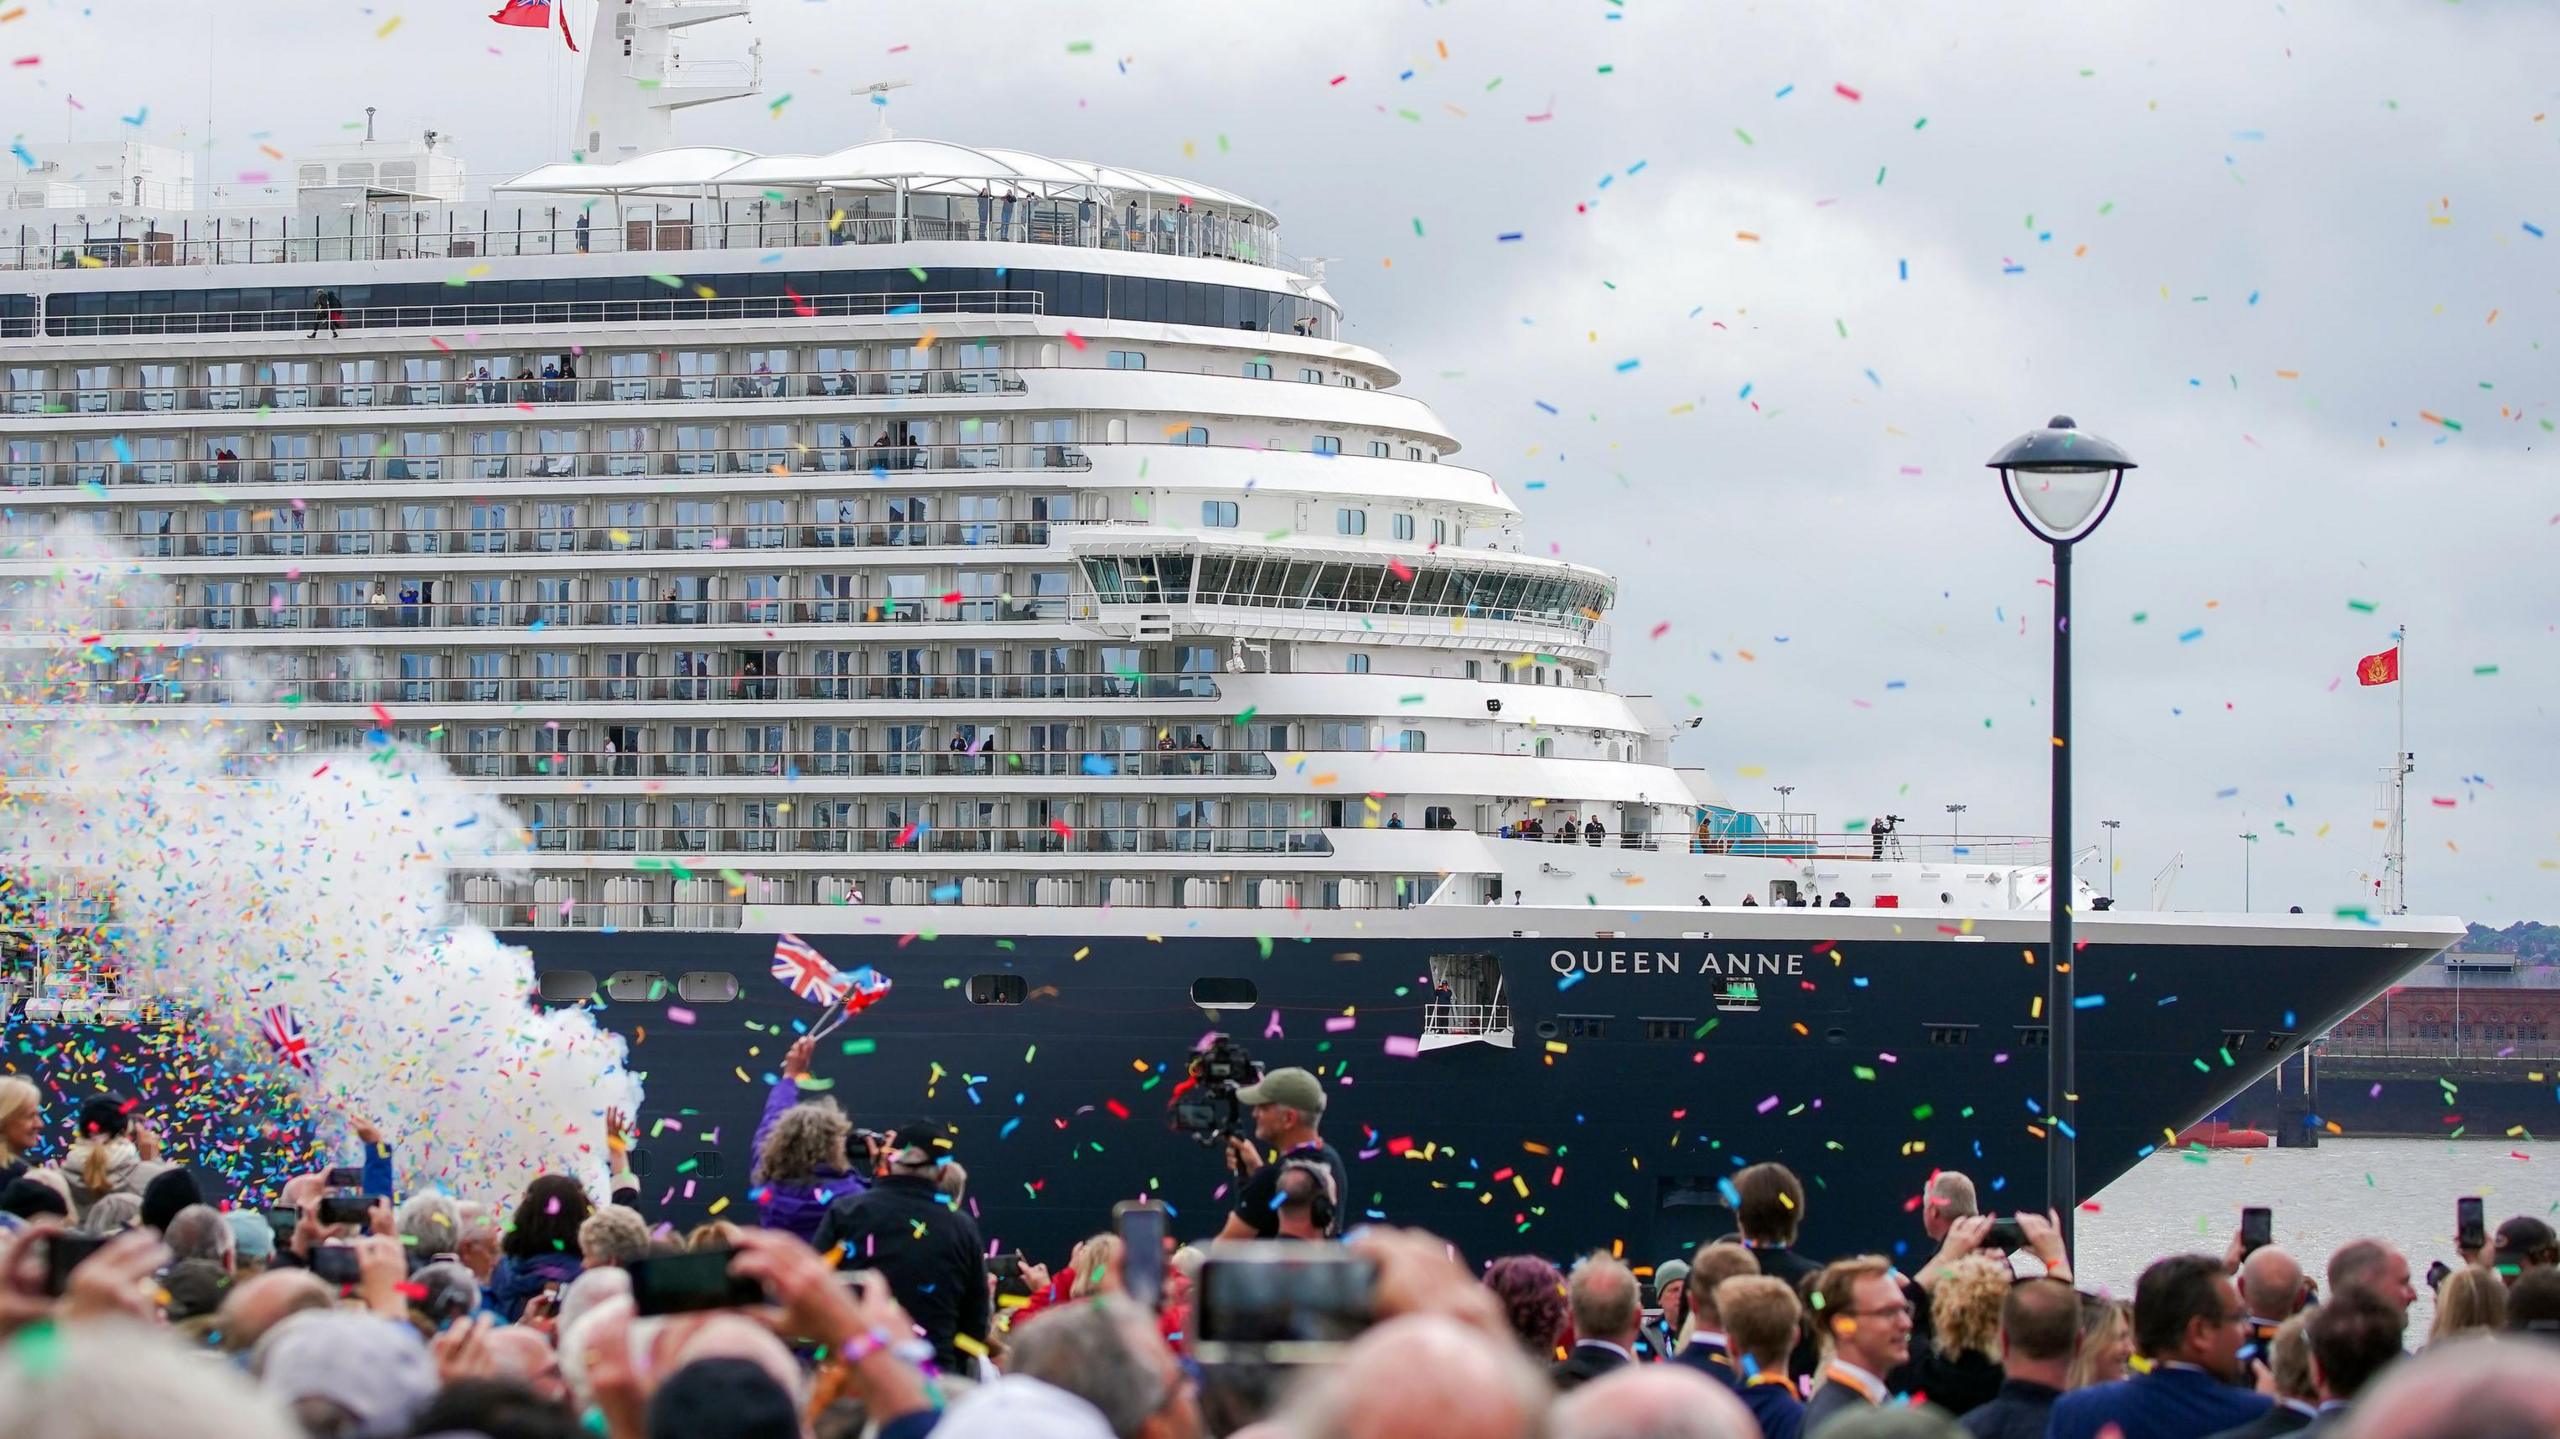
[689,1284]
[344,1208]
[65,1251]
[2470,1226]
[1142,1228]
[2257,1229]
[337,1264]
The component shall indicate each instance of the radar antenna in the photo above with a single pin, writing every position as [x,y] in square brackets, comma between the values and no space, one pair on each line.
[879,90]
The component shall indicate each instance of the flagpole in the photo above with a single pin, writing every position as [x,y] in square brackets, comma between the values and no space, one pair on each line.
[2400,783]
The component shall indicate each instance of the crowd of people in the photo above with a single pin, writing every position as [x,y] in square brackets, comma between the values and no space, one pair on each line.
[859,1298]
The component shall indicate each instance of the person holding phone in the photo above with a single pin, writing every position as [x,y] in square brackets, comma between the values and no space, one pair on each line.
[115,1154]
[1288,1105]
[927,1250]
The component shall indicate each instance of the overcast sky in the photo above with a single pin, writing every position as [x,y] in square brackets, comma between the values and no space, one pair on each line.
[2256,244]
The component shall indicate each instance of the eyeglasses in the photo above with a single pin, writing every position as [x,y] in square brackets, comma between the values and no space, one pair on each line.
[1888,1311]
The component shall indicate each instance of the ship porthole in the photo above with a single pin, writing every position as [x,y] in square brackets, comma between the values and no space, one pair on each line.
[1547,1029]
[1835,1036]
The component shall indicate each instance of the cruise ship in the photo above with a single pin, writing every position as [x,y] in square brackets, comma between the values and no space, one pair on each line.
[1001,570]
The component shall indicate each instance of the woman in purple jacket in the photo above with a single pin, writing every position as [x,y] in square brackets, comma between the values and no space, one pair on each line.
[801,1164]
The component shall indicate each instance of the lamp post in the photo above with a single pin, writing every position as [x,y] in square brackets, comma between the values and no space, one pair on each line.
[2112,826]
[1786,792]
[2248,843]
[1955,817]
[2061,483]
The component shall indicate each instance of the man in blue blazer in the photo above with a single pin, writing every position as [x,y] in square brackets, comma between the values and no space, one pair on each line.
[2189,1322]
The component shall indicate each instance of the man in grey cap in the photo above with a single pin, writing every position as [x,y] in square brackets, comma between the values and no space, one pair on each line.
[1288,1104]
[253,1242]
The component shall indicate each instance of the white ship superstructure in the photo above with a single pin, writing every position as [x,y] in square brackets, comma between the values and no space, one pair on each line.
[912,524]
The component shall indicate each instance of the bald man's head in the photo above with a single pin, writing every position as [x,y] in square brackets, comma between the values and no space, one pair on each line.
[1652,1401]
[1423,1375]
[2271,1284]
[260,1303]
[2466,1389]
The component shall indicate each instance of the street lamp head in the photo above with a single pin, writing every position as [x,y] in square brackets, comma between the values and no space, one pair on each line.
[2061,481]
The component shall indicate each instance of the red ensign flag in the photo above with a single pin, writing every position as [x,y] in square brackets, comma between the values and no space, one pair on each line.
[2381,669]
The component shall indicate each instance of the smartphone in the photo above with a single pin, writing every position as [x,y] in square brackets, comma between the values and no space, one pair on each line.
[689,1284]
[2470,1225]
[1007,1268]
[1273,1302]
[336,1264]
[346,1176]
[63,1252]
[2006,1235]
[284,1221]
[1142,1229]
[2257,1229]
[345,1208]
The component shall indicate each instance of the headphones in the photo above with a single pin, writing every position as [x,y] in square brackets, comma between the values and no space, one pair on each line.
[1319,1190]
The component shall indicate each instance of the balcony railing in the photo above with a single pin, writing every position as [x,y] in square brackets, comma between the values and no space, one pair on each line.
[468,389]
[267,541]
[657,689]
[249,615]
[706,841]
[464,315]
[846,458]
[1988,849]
[455,232]
[868,764]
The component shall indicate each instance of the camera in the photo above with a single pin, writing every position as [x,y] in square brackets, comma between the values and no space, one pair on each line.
[1205,1104]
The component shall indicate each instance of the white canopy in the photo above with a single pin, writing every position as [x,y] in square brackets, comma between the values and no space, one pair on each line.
[918,166]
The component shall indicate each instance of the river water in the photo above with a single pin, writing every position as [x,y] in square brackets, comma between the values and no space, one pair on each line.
[2400,1190]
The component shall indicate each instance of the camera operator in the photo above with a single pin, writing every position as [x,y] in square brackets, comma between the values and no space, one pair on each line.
[1287,1106]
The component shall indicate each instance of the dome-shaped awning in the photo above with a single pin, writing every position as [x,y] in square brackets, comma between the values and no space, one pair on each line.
[918,166]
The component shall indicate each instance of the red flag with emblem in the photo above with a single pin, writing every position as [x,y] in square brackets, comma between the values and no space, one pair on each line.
[2381,669]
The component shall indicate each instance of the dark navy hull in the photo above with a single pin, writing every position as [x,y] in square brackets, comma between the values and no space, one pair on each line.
[1617,1128]
[1628,1094]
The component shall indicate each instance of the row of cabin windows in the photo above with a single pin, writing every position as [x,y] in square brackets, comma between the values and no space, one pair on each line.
[1224,515]
[649,986]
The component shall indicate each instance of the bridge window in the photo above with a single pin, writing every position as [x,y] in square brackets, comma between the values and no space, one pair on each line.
[1257,369]
[1351,522]
[1218,514]
[1128,360]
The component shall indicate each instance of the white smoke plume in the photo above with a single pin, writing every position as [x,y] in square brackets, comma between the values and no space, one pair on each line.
[317,881]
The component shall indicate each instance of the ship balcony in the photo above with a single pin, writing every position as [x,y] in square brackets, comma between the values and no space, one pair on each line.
[282,536]
[1036,845]
[796,765]
[312,696]
[519,392]
[874,460]
[657,309]
[472,232]
[463,619]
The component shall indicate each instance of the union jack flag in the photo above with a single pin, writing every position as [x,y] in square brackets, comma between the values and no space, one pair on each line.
[284,1035]
[868,987]
[799,965]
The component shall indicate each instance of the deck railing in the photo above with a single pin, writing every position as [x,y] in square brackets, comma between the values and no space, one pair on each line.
[466,315]
[452,231]
[467,387]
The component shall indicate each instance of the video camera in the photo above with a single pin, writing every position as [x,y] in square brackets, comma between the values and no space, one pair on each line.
[1206,1107]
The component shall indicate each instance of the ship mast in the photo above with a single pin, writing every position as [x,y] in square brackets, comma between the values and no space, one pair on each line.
[638,76]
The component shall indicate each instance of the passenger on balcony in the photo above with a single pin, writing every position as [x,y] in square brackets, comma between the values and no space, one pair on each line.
[1395,819]
[1839,899]
[551,380]
[1592,831]
[324,311]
